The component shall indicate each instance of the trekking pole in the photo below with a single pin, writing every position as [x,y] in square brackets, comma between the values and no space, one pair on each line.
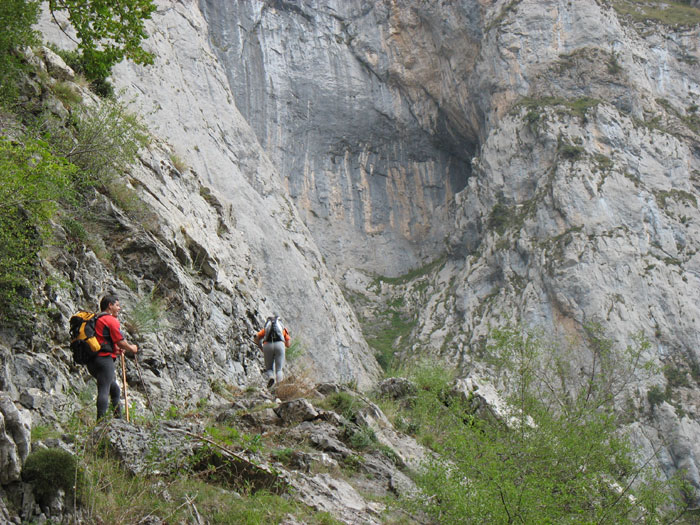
[126,390]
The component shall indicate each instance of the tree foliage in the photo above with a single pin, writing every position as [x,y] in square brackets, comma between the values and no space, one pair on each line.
[32,182]
[102,140]
[107,32]
[40,177]
[554,455]
[16,20]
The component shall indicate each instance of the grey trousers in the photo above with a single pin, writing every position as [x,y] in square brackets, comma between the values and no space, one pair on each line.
[274,360]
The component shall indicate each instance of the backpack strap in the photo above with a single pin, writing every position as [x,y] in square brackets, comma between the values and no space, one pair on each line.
[108,345]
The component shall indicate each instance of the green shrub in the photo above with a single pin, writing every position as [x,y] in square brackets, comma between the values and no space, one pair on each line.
[431,377]
[352,462]
[98,84]
[569,151]
[18,17]
[66,94]
[75,231]
[50,469]
[392,326]
[345,404]
[554,454]
[283,455]
[104,142]
[655,396]
[295,351]
[675,377]
[32,182]
[500,218]
[361,437]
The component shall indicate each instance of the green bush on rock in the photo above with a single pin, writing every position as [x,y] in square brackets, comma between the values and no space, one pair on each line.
[49,470]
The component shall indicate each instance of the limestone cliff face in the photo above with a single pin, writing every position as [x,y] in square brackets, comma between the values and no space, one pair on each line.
[255,241]
[364,109]
[186,99]
[550,147]
[554,144]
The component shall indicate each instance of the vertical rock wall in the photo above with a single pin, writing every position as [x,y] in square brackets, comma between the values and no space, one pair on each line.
[258,241]
[358,106]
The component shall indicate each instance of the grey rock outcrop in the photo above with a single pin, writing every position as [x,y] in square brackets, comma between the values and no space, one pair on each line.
[296,411]
[15,439]
[397,387]
[169,446]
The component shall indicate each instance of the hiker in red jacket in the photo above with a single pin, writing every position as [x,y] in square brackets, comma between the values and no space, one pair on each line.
[112,344]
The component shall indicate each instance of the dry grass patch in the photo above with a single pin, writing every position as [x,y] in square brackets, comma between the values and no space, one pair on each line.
[298,384]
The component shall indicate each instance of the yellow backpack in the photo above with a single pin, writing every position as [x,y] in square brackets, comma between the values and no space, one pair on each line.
[83,341]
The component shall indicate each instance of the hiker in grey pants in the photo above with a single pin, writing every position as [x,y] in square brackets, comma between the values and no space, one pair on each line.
[274,340]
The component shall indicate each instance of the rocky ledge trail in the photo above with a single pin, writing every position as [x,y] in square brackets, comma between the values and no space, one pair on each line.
[333,452]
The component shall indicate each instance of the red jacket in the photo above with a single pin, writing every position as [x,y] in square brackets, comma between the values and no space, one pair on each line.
[108,332]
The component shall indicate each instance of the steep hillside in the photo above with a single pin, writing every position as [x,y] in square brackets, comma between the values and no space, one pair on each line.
[410,174]
[176,254]
[583,204]
[559,142]
[185,100]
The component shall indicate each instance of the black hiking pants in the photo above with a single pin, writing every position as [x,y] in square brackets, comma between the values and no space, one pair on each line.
[102,369]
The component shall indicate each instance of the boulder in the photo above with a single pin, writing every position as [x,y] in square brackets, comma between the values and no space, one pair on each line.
[296,411]
[15,439]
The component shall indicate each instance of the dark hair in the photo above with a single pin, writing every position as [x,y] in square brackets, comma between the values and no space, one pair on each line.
[106,301]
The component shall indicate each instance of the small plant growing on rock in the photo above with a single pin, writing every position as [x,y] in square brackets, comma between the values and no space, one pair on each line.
[614,66]
[500,218]
[569,151]
[179,164]
[345,404]
[655,396]
[49,470]
[147,316]
[361,437]
[283,455]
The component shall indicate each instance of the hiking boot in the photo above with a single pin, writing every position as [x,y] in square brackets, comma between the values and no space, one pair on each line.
[270,382]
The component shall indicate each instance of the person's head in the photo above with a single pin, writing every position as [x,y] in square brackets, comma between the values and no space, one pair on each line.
[110,304]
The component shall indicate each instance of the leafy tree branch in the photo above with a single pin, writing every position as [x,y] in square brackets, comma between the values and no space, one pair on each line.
[107,31]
